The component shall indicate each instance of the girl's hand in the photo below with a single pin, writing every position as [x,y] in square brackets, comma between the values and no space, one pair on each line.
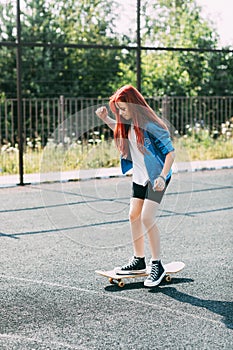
[102,113]
[159,183]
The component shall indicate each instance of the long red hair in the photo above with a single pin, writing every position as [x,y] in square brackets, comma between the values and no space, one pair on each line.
[140,112]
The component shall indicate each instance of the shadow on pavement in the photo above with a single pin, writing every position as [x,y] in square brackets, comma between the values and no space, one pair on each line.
[140,285]
[222,308]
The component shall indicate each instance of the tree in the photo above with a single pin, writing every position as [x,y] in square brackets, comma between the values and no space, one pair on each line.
[7,54]
[220,82]
[177,23]
[49,71]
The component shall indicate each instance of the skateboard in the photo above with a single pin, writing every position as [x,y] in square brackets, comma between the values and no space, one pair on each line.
[114,278]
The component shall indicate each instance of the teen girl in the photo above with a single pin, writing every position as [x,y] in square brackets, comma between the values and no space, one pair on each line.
[145,145]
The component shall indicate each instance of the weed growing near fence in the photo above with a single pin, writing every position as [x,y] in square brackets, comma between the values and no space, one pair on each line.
[197,144]
[201,144]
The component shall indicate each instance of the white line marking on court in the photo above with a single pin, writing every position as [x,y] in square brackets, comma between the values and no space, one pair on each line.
[136,301]
[36,340]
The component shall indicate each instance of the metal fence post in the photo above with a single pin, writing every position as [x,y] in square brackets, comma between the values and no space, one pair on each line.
[138,45]
[166,107]
[19,96]
[62,125]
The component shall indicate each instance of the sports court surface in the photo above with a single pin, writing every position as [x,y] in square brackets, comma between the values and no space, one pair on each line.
[54,236]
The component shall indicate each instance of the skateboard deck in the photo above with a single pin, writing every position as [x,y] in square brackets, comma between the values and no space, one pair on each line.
[114,278]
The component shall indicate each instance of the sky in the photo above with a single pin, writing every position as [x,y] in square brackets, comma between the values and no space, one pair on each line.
[220,11]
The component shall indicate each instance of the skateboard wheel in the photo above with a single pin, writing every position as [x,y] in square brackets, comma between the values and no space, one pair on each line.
[121,284]
[168,278]
[111,280]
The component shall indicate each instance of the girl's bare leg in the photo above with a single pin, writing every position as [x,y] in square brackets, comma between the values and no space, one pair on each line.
[136,205]
[148,218]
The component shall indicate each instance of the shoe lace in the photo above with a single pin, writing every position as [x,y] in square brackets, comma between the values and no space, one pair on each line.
[132,262]
[154,271]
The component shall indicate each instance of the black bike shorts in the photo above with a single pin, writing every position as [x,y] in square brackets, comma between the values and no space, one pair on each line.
[147,192]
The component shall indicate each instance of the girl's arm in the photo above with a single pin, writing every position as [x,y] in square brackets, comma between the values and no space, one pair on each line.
[160,182]
[102,113]
[168,163]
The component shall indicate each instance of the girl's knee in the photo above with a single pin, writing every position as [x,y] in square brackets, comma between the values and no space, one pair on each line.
[134,215]
[148,220]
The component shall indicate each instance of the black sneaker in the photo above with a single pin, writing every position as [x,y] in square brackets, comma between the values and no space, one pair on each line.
[156,275]
[135,265]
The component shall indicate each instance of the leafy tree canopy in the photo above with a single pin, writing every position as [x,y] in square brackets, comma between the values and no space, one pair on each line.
[51,71]
[178,24]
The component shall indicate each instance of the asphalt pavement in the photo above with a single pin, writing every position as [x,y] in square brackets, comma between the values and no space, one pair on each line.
[54,236]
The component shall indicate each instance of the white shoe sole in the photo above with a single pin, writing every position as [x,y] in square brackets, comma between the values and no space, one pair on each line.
[118,271]
[148,283]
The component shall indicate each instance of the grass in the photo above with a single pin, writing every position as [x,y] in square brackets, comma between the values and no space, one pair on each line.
[104,154]
[192,148]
